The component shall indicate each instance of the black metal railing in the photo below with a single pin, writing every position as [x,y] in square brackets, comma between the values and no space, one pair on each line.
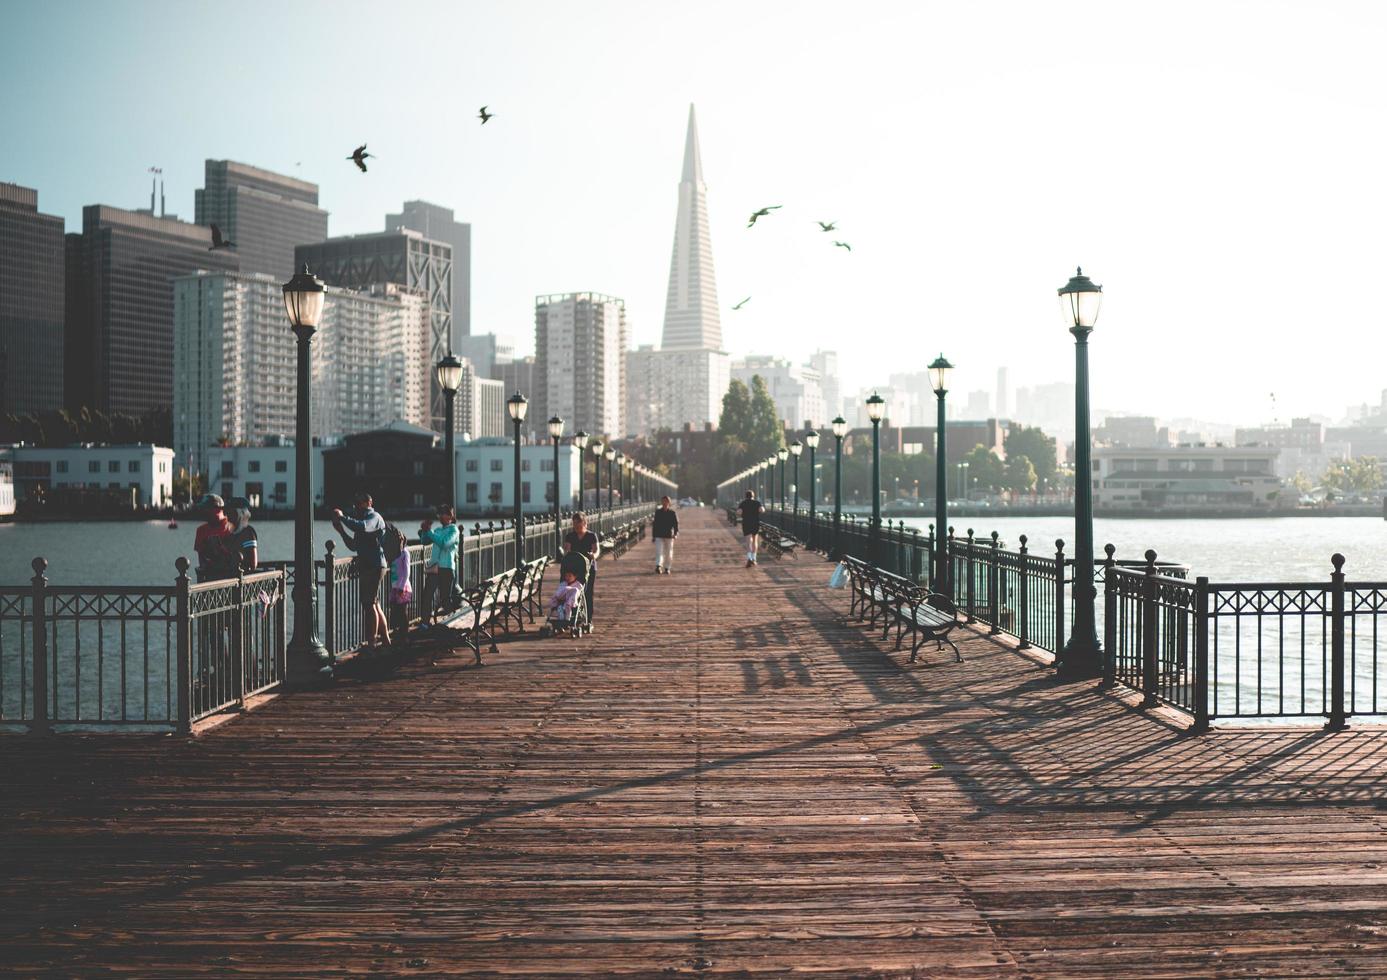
[168,656]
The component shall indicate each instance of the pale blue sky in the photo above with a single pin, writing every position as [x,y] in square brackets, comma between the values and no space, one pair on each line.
[1218,166]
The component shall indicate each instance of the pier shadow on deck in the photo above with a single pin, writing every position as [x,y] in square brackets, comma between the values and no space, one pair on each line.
[726,778]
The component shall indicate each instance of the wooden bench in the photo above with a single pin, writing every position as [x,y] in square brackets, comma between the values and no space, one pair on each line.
[480,608]
[520,598]
[776,542]
[883,599]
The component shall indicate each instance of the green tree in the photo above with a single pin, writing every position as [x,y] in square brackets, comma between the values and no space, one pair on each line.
[1020,474]
[985,469]
[764,434]
[1361,475]
[1036,446]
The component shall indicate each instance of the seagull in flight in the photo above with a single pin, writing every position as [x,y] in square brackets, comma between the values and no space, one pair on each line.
[218,241]
[828,225]
[762,213]
[485,116]
[843,245]
[742,303]
[359,156]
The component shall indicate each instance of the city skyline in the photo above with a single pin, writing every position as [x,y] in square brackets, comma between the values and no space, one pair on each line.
[1220,140]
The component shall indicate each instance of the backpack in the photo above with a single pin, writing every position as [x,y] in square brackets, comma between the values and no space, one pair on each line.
[393,542]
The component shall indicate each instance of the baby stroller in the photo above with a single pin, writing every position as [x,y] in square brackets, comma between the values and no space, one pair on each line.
[563,620]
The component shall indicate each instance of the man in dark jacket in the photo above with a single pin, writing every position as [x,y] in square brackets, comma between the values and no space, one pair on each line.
[751,524]
[664,530]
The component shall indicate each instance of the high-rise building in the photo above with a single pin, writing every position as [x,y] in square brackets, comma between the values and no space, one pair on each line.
[31,304]
[1003,402]
[437,223]
[118,339]
[795,388]
[400,258]
[691,305]
[265,214]
[234,359]
[669,389]
[518,374]
[978,405]
[580,361]
[826,363]
[683,383]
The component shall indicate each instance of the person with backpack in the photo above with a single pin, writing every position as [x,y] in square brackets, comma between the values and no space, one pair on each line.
[368,542]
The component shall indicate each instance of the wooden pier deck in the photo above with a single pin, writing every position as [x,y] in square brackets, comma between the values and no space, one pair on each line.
[725,779]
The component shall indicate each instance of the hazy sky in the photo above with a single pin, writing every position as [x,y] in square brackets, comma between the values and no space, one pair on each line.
[1218,166]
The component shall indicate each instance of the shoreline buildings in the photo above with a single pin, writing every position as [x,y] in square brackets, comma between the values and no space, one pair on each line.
[438,224]
[31,304]
[266,214]
[684,380]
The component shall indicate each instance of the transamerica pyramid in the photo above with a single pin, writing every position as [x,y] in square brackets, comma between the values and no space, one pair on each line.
[691,308]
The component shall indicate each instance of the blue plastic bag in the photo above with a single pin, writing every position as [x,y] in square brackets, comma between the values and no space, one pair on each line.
[839,578]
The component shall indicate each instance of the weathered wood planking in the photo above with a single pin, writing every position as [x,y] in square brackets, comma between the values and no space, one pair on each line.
[726,778]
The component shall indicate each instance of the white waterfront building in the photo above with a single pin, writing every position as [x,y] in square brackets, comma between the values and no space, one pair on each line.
[264,475]
[147,470]
[485,474]
[1172,477]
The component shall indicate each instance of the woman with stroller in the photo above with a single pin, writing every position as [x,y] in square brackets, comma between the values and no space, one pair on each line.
[580,541]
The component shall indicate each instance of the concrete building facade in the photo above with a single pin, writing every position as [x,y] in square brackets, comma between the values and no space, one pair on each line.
[31,304]
[266,214]
[145,470]
[580,362]
[118,342]
[669,389]
[438,224]
[796,389]
[1163,478]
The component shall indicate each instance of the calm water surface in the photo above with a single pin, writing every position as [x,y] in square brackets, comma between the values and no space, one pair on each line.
[1265,549]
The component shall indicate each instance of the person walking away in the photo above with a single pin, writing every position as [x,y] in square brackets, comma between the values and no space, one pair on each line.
[664,530]
[242,544]
[751,509]
[439,586]
[584,542]
[367,541]
[396,550]
[213,560]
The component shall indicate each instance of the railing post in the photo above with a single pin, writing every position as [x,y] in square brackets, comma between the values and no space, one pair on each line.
[1201,655]
[971,574]
[935,578]
[1150,679]
[1024,613]
[238,640]
[954,585]
[994,580]
[183,637]
[330,599]
[917,565]
[282,653]
[1060,631]
[38,722]
[1337,716]
[1109,619]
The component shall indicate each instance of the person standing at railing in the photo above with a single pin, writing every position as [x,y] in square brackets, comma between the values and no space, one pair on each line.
[214,560]
[367,540]
[664,529]
[440,582]
[751,509]
[584,542]
[242,544]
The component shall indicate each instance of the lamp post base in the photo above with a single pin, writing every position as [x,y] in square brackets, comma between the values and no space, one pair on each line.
[307,664]
[1081,659]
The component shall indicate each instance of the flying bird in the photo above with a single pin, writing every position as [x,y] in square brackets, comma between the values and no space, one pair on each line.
[762,213]
[359,156]
[485,116]
[828,225]
[218,241]
[742,303]
[843,245]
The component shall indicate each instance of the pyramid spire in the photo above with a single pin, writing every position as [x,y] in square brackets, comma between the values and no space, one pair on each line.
[691,307]
[693,163]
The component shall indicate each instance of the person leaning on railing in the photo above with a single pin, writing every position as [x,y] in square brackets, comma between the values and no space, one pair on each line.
[440,582]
